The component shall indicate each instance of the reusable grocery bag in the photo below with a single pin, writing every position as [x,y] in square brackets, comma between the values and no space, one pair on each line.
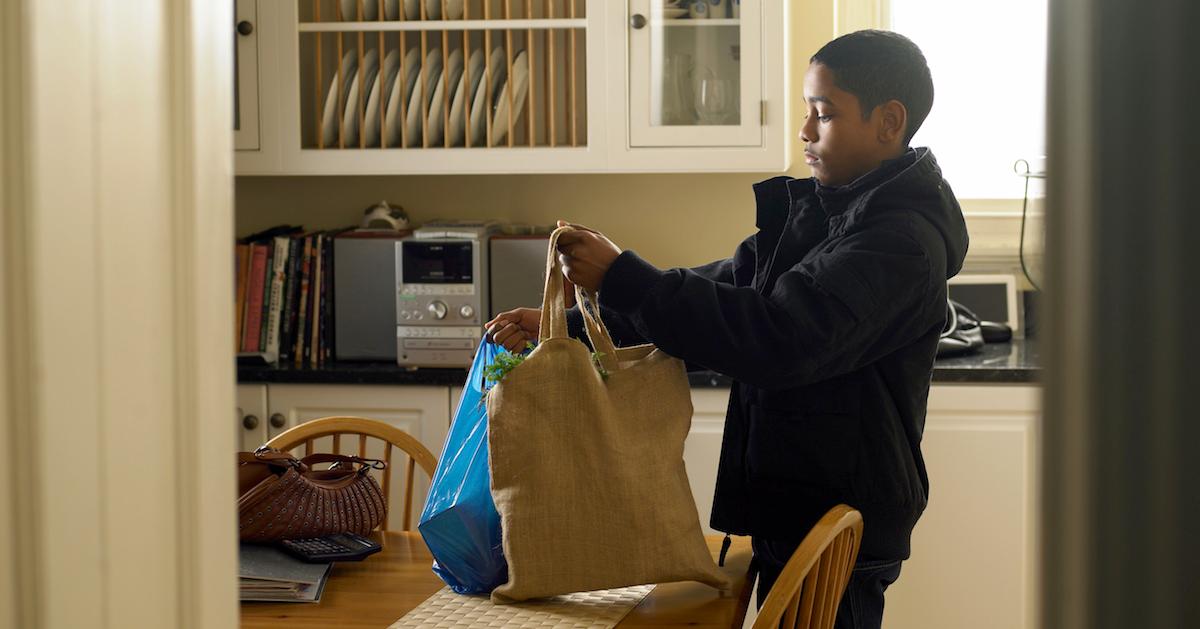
[459,523]
[587,462]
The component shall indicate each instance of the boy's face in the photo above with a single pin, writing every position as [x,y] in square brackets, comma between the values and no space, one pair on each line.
[839,145]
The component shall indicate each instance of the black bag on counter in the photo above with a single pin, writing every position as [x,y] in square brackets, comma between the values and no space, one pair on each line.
[965,333]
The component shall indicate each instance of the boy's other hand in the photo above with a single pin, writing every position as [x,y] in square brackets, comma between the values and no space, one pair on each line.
[514,328]
[585,255]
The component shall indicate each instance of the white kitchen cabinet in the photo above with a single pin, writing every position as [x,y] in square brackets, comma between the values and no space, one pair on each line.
[702,449]
[245,76]
[975,550]
[422,411]
[611,86]
[455,394]
[251,415]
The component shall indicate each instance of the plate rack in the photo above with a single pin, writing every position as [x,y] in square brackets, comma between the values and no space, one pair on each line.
[522,61]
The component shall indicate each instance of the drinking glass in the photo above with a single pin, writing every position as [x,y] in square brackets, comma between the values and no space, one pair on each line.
[713,98]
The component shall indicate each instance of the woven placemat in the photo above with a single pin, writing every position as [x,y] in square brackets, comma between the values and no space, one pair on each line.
[601,609]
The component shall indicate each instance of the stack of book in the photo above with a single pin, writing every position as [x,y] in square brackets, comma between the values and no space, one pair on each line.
[285,296]
[266,573]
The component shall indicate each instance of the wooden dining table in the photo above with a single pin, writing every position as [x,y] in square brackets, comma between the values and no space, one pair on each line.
[377,591]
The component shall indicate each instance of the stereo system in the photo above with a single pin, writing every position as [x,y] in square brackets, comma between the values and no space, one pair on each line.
[441,293]
[421,300]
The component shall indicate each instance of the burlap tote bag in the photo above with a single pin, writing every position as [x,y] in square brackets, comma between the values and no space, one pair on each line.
[587,463]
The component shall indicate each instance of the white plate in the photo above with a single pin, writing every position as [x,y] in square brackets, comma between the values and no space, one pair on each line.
[398,94]
[350,10]
[519,84]
[479,104]
[363,81]
[391,9]
[386,79]
[448,80]
[433,10]
[467,83]
[673,13]
[412,9]
[329,121]
[426,79]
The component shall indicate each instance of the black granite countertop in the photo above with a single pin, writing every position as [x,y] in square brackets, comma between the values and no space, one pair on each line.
[1014,362]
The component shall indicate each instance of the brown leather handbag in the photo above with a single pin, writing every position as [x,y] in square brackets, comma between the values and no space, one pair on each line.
[282,497]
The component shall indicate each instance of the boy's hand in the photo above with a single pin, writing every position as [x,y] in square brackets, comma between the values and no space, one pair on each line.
[515,328]
[585,255]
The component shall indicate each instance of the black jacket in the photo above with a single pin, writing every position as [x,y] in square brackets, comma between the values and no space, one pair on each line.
[827,320]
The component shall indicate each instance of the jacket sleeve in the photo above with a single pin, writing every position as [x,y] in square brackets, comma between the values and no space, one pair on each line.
[621,327]
[828,316]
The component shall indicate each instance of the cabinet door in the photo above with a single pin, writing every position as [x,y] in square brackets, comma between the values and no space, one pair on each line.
[245,73]
[251,416]
[422,411]
[702,450]
[695,75]
[455,396]
[974,551]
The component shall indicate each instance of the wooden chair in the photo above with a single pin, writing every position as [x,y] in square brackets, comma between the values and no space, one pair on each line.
[364,428]
[807,593]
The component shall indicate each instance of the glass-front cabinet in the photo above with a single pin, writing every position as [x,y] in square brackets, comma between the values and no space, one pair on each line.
[695,73]
[505,86]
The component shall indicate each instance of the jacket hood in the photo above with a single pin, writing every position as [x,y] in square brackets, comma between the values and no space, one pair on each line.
[913,183]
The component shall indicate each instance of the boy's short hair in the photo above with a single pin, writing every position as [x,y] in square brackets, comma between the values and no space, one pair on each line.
[878,66]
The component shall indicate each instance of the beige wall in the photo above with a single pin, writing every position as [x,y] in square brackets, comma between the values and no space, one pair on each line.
[672,220]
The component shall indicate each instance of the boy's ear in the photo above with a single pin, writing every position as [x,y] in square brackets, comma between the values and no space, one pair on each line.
[893,120]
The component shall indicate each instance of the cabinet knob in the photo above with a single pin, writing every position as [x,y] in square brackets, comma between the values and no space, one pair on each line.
[278,420]
[637,21]
[250,422]
[245,28]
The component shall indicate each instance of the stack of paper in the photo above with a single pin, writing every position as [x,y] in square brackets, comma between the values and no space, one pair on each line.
[266,573]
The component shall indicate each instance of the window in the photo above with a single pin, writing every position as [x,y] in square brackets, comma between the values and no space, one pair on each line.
[988,61]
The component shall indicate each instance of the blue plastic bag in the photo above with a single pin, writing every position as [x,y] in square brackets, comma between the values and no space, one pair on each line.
[460,524]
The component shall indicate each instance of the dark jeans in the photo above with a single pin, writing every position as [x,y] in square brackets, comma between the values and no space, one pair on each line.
[862,604]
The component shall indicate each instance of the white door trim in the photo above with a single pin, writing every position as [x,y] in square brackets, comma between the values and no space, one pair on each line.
[115,377]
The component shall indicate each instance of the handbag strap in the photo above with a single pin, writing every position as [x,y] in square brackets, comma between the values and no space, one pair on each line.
[276,458]
[323,457]
[268,457]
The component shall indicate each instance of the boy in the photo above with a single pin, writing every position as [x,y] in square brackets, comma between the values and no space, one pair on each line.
[827,319]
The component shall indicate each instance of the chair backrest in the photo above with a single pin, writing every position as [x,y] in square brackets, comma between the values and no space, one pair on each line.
[364,428]
[807,593]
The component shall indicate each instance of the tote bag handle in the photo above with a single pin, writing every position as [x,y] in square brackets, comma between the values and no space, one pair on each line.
[554,310]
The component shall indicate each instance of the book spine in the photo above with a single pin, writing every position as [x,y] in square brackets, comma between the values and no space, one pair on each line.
[278,269]
[327,314]
[266,298]
[314,337]
[291,289]
[305,280]
[239,313]
[254,295]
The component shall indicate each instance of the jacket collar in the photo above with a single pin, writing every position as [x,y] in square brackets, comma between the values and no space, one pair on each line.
[839,199]
[775,196]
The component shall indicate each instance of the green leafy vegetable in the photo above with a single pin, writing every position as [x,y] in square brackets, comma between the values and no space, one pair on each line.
[599,366]
[506,362]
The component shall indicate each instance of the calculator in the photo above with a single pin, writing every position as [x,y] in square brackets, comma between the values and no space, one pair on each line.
[338,547]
